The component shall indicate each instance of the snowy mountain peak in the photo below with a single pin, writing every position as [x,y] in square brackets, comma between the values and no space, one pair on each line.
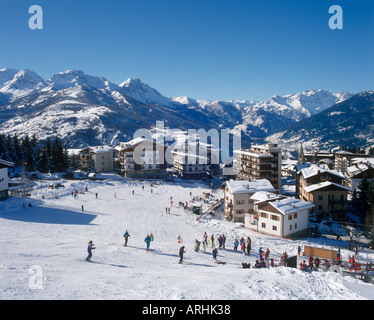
[76,78]
[142,92]
[18,82]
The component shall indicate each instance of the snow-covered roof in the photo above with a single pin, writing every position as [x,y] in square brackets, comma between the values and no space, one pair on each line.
[363,160]
[6,163]
[253,154]
[73,151]
[189,155]
[290,205]
[321,185]
[243,186]
[354,170]
[313,170]
[133,143]
[263,196]
[101,149]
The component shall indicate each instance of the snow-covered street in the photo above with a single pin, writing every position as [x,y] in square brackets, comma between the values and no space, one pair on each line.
[43,249]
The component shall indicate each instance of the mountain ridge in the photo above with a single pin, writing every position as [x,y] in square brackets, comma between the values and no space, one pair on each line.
[93,110]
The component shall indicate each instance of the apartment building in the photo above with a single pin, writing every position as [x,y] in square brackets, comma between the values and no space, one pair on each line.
[102,156]
[343,159]
[325,189]
[141,158]
[279,215]
[260,162]
[189,166]
[237,196]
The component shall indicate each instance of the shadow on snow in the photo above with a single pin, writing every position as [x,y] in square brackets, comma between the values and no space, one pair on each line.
[49,216]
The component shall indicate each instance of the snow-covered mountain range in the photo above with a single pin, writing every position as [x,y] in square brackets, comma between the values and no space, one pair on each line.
[83,109]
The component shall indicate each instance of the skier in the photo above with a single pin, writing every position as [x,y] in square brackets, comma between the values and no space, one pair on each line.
[147,240]
[243,247]
[82,208]
[152,237]
[220,241]
[126,235]
[212,240]
[215,252]
[261,253]
[180,239]
[181,251]
[223,241]
[303,266]
[197,245]
[205,238]
[267,255]
[236,243]
[89,250]
[249,248]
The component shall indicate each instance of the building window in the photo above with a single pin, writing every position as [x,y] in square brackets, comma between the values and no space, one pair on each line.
[320,198]
[263,225]
[295,215]
[291,227]
[320,207]
[263,215]
[295,225]
[290,217]
[274,228]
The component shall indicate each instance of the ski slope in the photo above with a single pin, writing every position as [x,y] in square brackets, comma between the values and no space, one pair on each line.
[43,249]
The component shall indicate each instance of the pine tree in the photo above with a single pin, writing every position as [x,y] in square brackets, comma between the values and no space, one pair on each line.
[18,150]
[12,156]
[3,149]
[45,164]
[57,156]
[362,200]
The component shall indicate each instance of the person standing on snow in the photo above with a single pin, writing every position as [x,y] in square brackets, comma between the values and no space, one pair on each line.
[197,245]
[147,240]
[220,241]
[215,252]
[261,253]
[249,248]
[267,255]
[89,250]
[236,243]
[243,247]
[126,236]
[205,239]
[181,252]
[212,240]
[223,241]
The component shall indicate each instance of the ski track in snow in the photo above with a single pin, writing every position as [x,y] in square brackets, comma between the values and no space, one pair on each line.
[54,233]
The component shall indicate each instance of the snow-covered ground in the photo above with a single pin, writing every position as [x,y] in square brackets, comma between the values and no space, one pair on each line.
[43,249]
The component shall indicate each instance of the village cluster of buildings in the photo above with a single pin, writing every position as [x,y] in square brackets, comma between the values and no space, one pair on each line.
[253,194]
[323,184]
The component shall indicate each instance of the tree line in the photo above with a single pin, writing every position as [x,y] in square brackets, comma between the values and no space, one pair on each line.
[48,156]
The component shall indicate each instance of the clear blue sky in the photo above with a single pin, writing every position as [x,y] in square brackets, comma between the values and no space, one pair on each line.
[205,49]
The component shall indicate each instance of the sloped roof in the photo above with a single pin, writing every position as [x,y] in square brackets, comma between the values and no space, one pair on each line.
[243,186]
[290,205]
[313,170]
[6,163]
[322,185]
